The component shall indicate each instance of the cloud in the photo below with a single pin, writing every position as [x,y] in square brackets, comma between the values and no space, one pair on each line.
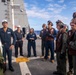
[63,18]
[73,5]
[52,11]
[43,13]
[56,8]
[74,8]
[49,0]
[38,13]
[61,1]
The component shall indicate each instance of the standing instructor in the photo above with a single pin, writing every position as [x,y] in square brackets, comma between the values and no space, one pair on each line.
[5,37]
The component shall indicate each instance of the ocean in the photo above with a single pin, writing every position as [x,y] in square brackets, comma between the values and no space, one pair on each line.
[37,32]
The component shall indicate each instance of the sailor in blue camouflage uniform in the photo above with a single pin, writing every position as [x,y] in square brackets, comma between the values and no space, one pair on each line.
[5,37]
[31,37]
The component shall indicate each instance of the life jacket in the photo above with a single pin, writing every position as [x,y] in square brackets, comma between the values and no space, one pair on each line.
[71,38]
[43,34]
[50,34]
[59,40]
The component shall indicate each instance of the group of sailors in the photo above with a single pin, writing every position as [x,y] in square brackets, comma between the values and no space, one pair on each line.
[65,44]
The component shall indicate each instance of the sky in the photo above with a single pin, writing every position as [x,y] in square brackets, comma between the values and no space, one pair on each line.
[40,11]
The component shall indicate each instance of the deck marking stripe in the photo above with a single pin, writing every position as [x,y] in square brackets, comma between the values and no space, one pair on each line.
[24,68]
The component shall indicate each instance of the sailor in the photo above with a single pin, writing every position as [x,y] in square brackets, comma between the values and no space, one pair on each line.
[51,34]
[31,37]
[5,35]
[19,41]
[72,44]
[61,43]
[43,38]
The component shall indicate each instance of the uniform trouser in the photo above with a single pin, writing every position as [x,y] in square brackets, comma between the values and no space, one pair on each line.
[33,45]
[74,64]
[19,45]
[7,51]
[43,47]
[70,60]
[61,64]
[49,45]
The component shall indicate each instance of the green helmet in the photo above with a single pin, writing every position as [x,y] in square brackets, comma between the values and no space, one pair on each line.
[60,23]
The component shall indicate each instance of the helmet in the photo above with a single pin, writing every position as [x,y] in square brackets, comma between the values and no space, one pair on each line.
[74,15]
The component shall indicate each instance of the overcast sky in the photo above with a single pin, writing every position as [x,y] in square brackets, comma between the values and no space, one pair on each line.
[40,11]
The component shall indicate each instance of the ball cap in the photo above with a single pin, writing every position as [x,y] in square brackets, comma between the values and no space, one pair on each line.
[4,21]
[19,26]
